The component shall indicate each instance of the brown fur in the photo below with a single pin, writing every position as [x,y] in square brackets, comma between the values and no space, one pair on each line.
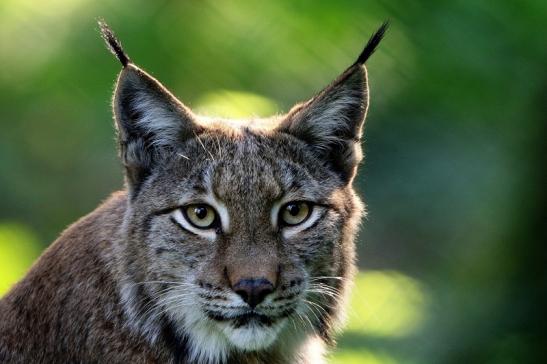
[67,307]
[135,282]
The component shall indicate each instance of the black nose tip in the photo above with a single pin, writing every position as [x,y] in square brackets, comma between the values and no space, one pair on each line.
[253,291]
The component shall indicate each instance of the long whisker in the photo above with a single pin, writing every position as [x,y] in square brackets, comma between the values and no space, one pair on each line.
[219,147]
[313,311]
[291,319]
[313,304]
[205,149]
[162,297]
[323,293]
[307,319]
[324,290]
[163,305]
[317,278]
[323,285]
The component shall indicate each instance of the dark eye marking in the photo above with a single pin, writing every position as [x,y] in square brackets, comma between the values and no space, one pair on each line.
[164,211]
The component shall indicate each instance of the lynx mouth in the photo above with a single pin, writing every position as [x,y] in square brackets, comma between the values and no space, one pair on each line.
[243,319]
[249,318]
[251,330]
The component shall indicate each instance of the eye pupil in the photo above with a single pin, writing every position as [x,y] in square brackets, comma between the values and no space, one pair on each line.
[293,209]
[295,213]
[201,216]
[201,212]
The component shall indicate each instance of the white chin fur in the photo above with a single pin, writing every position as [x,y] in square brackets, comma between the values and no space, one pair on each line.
[211,342]
[252,337]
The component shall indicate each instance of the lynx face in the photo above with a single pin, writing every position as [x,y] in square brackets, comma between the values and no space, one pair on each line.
[239,234]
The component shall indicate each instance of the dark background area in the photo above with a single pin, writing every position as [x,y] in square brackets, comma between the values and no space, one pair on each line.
[454,176]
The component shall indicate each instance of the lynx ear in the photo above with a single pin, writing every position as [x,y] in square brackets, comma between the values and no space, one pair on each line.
[150,121]
[331,122]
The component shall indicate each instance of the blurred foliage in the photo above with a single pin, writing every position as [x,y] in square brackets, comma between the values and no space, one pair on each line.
[454,177]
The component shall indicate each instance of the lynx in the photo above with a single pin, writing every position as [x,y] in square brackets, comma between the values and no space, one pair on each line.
[233,241]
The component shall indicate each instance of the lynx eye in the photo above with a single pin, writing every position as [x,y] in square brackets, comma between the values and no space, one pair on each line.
[296,212]
[200,215]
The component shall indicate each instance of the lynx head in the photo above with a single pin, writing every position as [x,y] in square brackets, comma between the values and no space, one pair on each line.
[239,235]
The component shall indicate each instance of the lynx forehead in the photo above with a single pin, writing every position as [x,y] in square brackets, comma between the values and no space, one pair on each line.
[233,242]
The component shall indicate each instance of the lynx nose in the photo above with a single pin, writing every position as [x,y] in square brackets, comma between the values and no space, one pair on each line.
[253,291]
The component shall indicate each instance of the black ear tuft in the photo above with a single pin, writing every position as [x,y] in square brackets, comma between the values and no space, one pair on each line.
[373,43]
[113,43]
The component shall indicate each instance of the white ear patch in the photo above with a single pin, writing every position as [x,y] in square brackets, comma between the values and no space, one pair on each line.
[157,120]
[329,118]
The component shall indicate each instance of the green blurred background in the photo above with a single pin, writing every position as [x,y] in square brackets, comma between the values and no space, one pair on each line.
[451,254]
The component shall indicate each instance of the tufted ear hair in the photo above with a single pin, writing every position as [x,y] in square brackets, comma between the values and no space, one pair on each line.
[331,122]
[150,121]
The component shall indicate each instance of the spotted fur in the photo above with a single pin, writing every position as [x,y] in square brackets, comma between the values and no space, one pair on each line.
[134,282]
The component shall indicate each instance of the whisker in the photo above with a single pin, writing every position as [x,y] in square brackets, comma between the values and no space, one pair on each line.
[219,147]
[330,290]
[183,156]
[323,285]
[313,311]
[205,149]
[328,294]
[162,299]
[308,321]
[317,306]
[291,319]
[317,278]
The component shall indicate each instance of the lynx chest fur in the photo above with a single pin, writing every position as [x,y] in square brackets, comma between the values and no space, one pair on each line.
[233,241]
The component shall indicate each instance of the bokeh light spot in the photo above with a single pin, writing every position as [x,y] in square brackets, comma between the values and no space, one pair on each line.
[235,104]
[19,247]
[361,357]
[386,304]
